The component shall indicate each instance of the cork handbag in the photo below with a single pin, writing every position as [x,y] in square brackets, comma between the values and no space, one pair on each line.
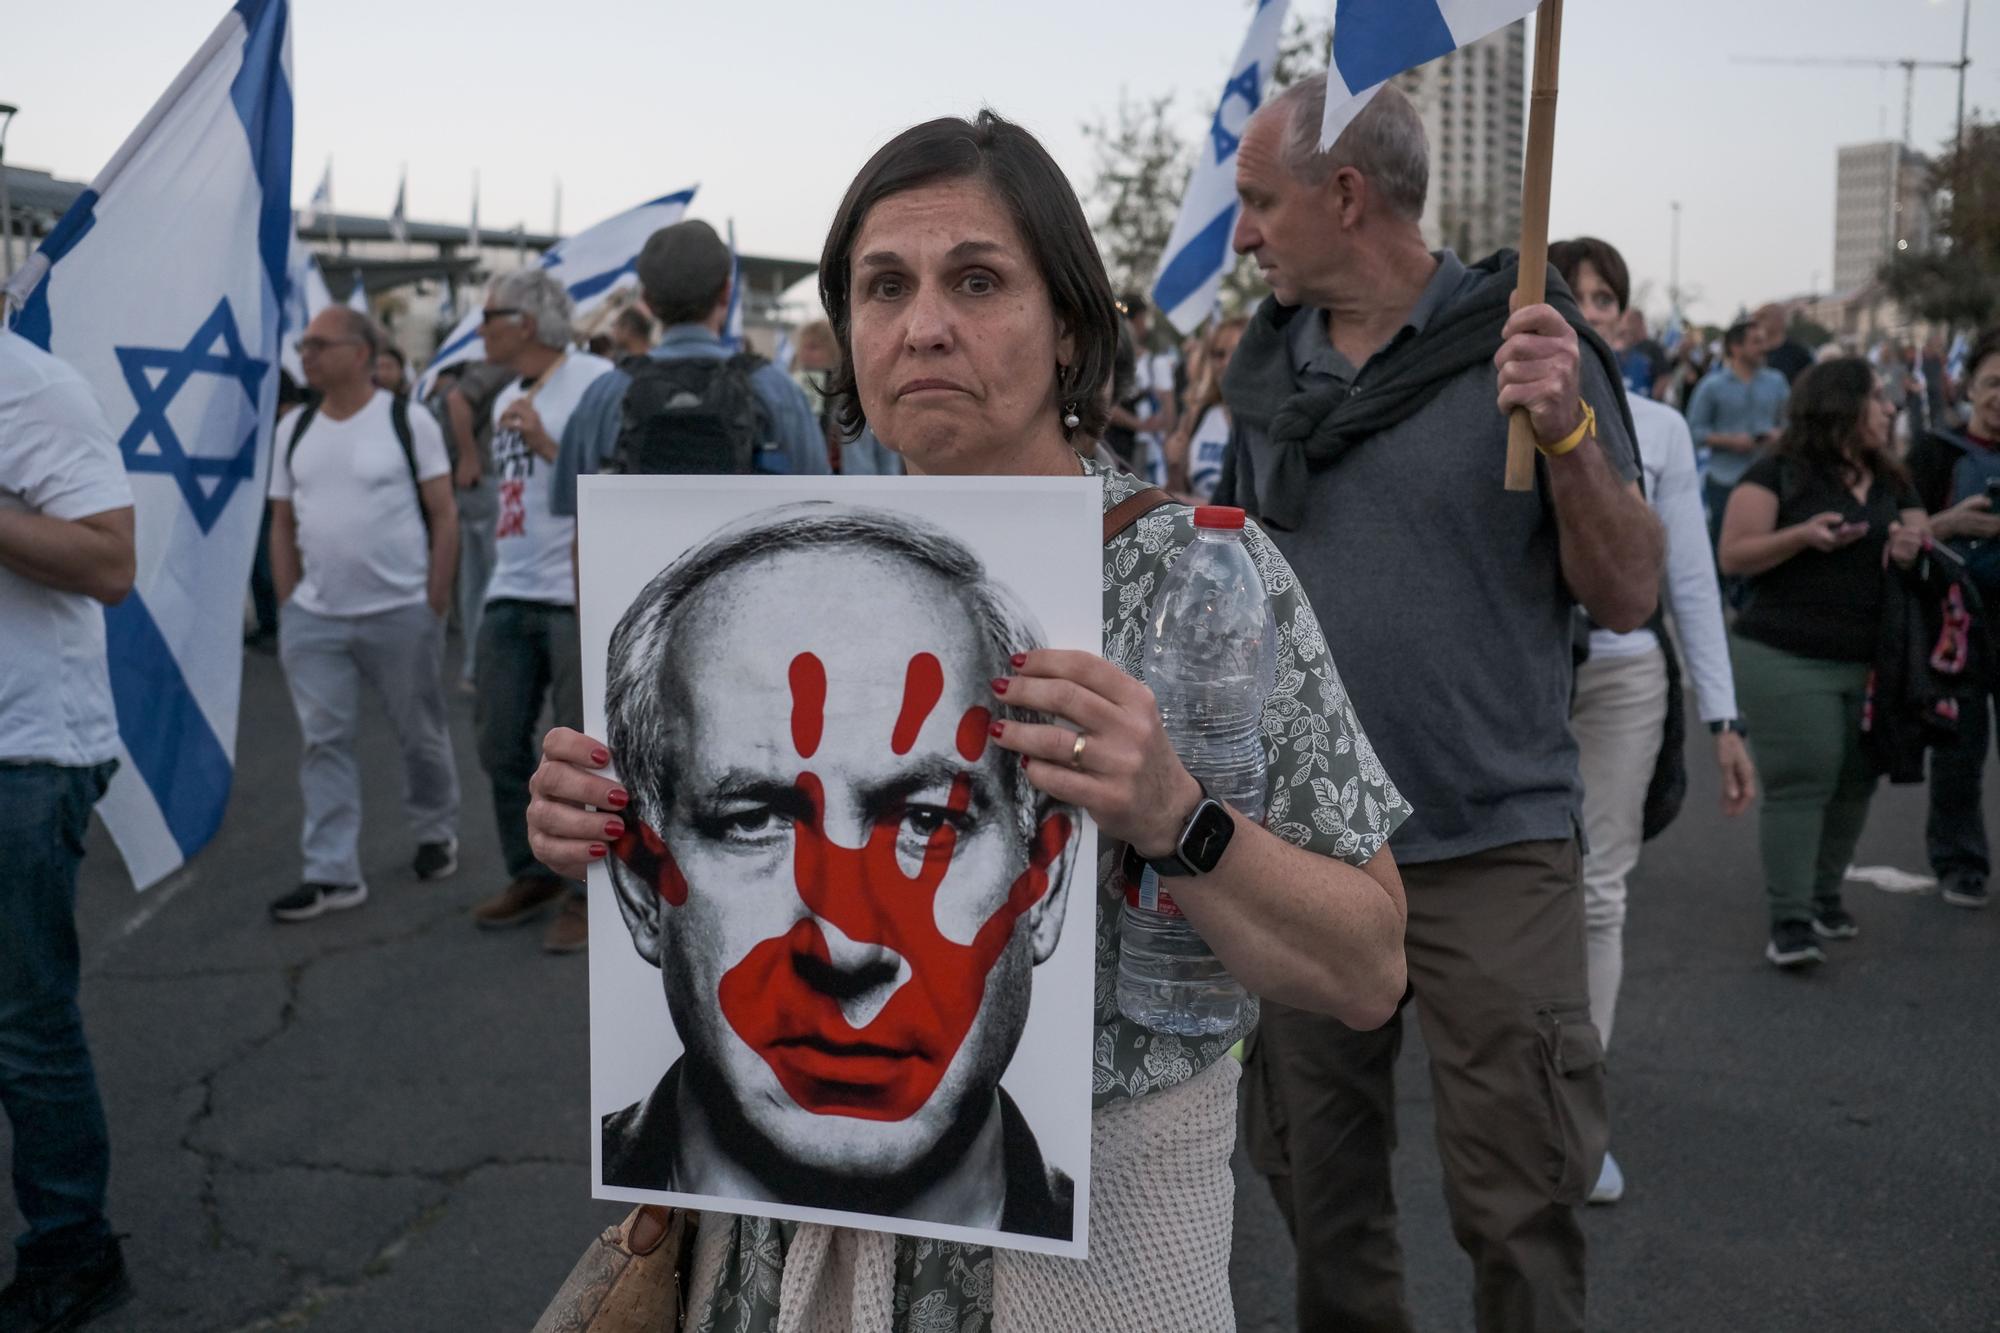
[632,1278]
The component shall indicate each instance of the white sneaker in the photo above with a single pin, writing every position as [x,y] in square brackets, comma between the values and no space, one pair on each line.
[1891,880]
[1610,1187]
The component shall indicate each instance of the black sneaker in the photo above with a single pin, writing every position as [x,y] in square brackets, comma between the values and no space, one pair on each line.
[1792,945]
[436,860]
[1835,923]
[55,1300]
[1964,888]
[311,900]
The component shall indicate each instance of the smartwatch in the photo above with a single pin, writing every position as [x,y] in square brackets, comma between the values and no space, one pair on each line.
[1727,724]
[1204,838]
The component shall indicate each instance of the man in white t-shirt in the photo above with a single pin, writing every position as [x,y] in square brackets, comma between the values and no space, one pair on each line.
[65,546]
[528,650]
[364,543]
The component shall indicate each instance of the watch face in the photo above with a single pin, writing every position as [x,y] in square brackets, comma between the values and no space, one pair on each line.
[1207,836]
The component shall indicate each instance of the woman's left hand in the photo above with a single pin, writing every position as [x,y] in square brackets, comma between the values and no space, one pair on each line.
[1905,542]
[1129,778]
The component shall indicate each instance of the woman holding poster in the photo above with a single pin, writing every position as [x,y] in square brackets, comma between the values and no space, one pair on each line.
[978,331]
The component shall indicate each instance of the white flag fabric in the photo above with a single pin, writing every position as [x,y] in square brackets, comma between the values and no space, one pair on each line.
[1375,40]
[164,286]
[1197,254]
[357,295]
[593,264]
[305,296]
[732,323]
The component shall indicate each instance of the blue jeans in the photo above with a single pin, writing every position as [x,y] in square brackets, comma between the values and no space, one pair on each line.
[62,1151]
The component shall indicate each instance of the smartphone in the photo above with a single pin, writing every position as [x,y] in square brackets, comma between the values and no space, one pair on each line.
[1993,494]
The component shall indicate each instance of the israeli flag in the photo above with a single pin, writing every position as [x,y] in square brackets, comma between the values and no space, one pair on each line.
[1197,254]
[357,295]
[595,265]
[732,323]
[322,198]
[164,286]
[1375,40]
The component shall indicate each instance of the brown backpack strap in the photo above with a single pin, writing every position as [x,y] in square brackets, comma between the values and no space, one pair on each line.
[1131,509]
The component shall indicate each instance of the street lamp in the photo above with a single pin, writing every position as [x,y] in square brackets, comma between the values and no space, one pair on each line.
[7,110]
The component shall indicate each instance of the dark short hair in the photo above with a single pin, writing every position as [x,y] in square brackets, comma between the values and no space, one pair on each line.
[683,270]
[390,349]
[1044,207]
[1986,345]
[1134,305]
[1738,331]
[1569,257]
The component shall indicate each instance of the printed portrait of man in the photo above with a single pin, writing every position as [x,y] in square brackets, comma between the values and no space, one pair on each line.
[845,887]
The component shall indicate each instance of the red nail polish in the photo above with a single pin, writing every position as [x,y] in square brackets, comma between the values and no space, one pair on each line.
[998,728]
[597,851]
[999,684]
[600,756]
[614,828]
[1019,660]
[618,799]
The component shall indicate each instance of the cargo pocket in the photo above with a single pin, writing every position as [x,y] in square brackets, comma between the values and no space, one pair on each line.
[1573,1070]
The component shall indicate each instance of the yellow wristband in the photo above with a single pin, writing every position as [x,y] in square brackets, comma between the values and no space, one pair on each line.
[1585,428]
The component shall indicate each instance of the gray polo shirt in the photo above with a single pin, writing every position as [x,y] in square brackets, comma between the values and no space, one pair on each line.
[1442,596]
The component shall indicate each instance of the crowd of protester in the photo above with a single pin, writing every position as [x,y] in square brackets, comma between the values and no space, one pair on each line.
[1805,543]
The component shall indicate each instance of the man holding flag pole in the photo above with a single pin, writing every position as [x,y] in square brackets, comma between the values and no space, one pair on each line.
[1369,398]
[163,288]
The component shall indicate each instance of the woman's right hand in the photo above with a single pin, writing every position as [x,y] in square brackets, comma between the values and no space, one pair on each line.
[564,832]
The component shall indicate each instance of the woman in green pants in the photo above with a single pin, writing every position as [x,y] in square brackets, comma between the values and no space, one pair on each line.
[1811,527]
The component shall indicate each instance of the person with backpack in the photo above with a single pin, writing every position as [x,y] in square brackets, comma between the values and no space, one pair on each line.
[696,405]
[364,543]
[1957,476]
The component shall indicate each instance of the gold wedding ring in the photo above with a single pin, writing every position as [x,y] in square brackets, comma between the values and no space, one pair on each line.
[1076,752]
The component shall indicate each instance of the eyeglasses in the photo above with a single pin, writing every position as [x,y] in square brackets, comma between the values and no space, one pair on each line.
[314,346]
[498,312]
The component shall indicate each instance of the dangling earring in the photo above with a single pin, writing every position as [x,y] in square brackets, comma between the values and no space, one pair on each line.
[1070,419]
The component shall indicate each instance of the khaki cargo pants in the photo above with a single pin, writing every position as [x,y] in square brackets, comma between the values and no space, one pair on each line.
[1496,960]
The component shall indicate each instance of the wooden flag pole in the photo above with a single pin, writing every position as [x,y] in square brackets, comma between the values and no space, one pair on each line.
[1532,284]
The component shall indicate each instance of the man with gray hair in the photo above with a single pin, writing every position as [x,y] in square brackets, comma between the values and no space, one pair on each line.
[1369,400]
[527,651]
[364,543]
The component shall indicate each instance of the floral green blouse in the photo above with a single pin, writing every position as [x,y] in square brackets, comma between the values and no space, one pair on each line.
[1326,791]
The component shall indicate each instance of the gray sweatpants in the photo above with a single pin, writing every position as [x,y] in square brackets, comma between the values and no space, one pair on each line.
[478,512]
[325,659]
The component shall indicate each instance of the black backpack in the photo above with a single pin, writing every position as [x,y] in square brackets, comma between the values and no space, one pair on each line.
[691,415]
[399,415]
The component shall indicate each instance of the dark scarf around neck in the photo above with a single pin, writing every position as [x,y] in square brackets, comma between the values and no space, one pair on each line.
[1311,429]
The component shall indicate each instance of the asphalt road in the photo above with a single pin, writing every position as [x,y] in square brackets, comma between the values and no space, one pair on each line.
[379,1121]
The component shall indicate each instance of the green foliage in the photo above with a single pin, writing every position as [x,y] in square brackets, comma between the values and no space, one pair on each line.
[1145,154]
[1958,284]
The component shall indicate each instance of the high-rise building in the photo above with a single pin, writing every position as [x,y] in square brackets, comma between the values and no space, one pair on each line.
[1474,105]
[1881,208]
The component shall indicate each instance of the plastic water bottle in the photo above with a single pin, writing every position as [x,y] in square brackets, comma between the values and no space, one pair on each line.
[1210,659]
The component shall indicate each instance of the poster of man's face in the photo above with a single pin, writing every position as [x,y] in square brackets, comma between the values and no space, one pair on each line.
[840,955]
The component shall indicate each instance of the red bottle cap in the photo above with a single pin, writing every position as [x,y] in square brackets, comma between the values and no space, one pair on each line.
[1218,516]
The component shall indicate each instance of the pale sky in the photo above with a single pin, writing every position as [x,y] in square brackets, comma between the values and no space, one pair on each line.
[771,107]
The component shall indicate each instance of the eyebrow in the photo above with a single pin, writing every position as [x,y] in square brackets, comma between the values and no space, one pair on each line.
[743,784]
[959,253]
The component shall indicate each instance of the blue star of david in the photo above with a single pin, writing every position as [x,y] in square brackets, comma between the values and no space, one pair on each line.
[190,470]
[1243,87]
